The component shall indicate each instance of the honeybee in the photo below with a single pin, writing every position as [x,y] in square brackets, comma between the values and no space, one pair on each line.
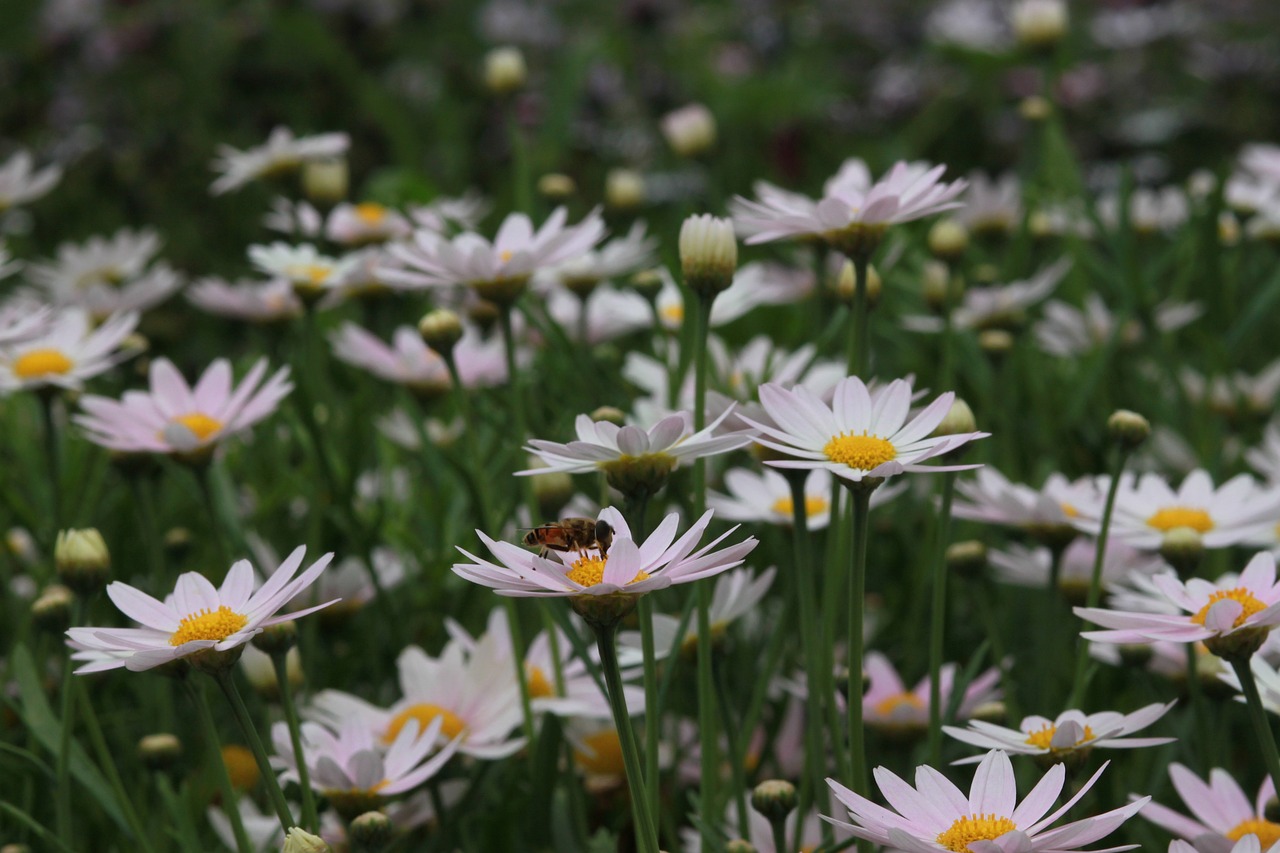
[570,534]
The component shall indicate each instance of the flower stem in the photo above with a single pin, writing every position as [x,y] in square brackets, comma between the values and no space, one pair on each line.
[211,511]
[229,689]
[607,644]
[224,778]
[63,801]
[652,710]
[522,677]
[1095,580]
[144,505]
[857,598]
[779,828]
[107,761]
[859,346]
[53,460]
[1258,715]
[279,662]
[937,619]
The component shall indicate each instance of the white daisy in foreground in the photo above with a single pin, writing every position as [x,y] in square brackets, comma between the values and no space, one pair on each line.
[936,815]
[626,567]
[197,616]
[1071,732]
[1222,811]
[282,152]
[66,353]
[175,417]
[859,434]
[21,183]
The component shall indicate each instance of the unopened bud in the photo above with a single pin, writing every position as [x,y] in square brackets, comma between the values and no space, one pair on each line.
[372,832]
[846,284]
[326,181]
[948,239]
[1039,24]
[52,609]
[177,543]
[159,751]
[1128,429]
[82,560]
[994,711]
[1035,109]
[278,638]
[690,130]
[552,491]
[1183,548]
[941,286]
[774,798]
[739,845]
[298,840]
[647,283]
[610,414]
[958,420]
[441,330]
[504,70]
[708,254]
[995,342]
[556,187]
[623,189]
[967,558]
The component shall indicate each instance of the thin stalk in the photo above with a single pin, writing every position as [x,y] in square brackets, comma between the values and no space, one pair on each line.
[652,708]
[859,346]
[520,162]
[732,734]
[646,831]
[861,513]
[186,833]
[706,688]
[1258,716]
[108,763]
[309,818]
[522,677]
[144,505]
[937,619]
[779,828]
[948,337]
[517,401]
[1095,580]
[229,689]
[53,458]
[62,802]
[311,391]
[211,512]
[1198,709]
[224,778]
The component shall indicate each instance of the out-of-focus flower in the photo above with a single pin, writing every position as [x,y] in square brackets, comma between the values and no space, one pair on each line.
[616,258]
[174,417]
[996,307]
[463,212]
[754,284]
[938,815]
[66,353]
[311,273]
[262,828]
[1265,458]
[979,25]
[1220,807]
[991,206]
[766,497]
[1070,332]
[408,361]
[1018,564]
[1039,23]
[21,320]
[21,183]
[1262,161]
[858,435]
[282,152]
[737,593]
[298,219]
[1070,733]
[760,833]
[197,617]
[992,498]
[1150,211]
[1237,394]
[602,315]
[106,275]
[365,223]
[247,299]
[690,130]
[888,705]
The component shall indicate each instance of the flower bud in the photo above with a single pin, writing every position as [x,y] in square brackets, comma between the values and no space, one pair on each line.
[52,609]
[1128,429]
[623,189]
[1039,24]
[968,558]
[1183,548]
[994,711]
[554,186]
[774,798]
[325,181]
[647,283]
[504,70]
[959,420]
[278,638]
[690,130]
[372,832]
[21,544]
[611,414]
[948,239]
[995,342]
[159,751]
[441,330]
[82,560]
[242,767]
[298,840]
[941,286]
[708,254]
[15,848]
[739,845]
[847,283]
[1035,109]
[177,543]
[552,491]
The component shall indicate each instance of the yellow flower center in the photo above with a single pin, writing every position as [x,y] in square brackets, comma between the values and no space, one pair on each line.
[589,571]
[1268,833]
[505,255]
[863,452]
[425,713]
[312,273]
[813,505]
[673,314]
[241,766]
[973,828]
[41,362]
[1249,604]
[887,706]
[371,213]
[1069,510]
[604,757]
[1169,517]
[539,686]
[201,425]
[208,625]
[1042,738]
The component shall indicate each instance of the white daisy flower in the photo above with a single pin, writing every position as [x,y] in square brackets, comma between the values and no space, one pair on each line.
[1265,458]
[754,285]
[1022,566]
[463,212]
[21,183]
[22,319]
[303,266]
[1238,393]
[609,313]
[991,206]
[736,594]
[1150,211]
[1070,332]
[107,275]
[766,497]
[991,498]
[368,222]
[1001,306]
[246,299]
[294,218]
[8,265]
[858,435]
[196,617]
[282,152]
[66,353]
[408,361]
[1071,732]
[619,257]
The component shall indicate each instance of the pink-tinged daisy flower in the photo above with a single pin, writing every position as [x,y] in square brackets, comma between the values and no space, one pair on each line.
[365,223]
[1001,306]
[853,213]
[737,593]
[936,815]
[196,617]
[626,567]
[992,498]
[106,275]
[991,206]
[355,772]
[860,434]
[21,183]
[175,418]
[66,353]
[408,361]
[1147,508]
[1229,615]
[282,152]
[1220,809]
[254,301]
[310,273]
[1237,394]
[297,219]
[1023,566]
[1071,733]
[1247,844]
[610,313]
[470,689]
[1069,332]
[20,321]
[766,497]
[499,269]
[890,707]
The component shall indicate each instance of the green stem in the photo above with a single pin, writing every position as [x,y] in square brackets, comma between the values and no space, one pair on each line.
[62,802]
[211,511]
[224,778]
[947,369]
[147,526]
[107,761]
[177,809]
[517,402]
[1258,716]
[1095,580]
[279,660]
[520,162]
[652,706]
[937,620]
[706,688]
[229,689]
[646,832]
[859,346]
[857,599]
[522,677]
[470,438]
[779,835]
[53,460]
[733,735]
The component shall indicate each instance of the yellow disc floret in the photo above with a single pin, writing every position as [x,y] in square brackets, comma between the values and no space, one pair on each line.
[539,686]
[41,362]
[864,452]
[1043,738]
[589,571]
[973,828]
[208,625]
[371,213]
[315,274]
[1268,833]
[425,713]
[201,425]
[1169,517]
[813,505]
[602,755]
[887,706]
[1249,604]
